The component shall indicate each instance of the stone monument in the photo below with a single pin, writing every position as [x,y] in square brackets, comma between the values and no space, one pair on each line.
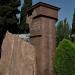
[41,19]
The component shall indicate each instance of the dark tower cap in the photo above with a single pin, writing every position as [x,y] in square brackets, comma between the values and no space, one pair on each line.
[45,5]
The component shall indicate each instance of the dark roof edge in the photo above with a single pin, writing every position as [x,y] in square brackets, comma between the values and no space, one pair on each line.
[45,16]
[43,4]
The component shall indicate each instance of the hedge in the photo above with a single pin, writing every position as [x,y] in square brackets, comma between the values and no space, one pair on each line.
[65,58]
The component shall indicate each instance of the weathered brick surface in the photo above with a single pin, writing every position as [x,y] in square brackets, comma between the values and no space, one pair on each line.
[18,57]
[43,37]
[45,46]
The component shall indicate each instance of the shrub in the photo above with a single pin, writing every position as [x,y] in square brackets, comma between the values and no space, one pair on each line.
[65,58]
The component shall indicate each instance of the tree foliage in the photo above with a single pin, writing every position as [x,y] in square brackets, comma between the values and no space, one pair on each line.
[73,27]
[8,19]
[62,30]
[23,25]
[8,11]
[65,58]
[73,23]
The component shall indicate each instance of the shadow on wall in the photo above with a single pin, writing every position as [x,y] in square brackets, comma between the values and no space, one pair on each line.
[2,36]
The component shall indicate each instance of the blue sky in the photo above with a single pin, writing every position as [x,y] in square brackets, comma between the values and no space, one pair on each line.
[67,7]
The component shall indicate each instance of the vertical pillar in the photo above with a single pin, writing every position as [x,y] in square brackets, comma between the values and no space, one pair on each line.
[43,36]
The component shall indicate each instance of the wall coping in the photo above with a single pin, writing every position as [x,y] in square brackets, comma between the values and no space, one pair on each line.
[44,5]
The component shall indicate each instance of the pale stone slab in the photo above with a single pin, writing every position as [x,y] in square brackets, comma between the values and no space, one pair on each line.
[18,57]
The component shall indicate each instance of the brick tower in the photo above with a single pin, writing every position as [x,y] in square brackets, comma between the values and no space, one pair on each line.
[42,18]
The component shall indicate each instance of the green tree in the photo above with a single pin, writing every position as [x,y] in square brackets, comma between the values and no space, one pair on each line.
[73,23]
[8,11]
[73,28]
[62,30]
[8,19]
[23,25]
[64,63]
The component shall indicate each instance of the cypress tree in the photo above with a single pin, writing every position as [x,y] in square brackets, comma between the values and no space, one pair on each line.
[8,19]
[23,25]
[8,11]
[73,23]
